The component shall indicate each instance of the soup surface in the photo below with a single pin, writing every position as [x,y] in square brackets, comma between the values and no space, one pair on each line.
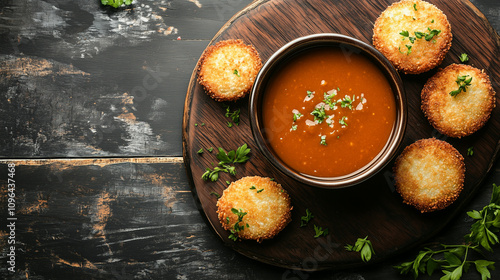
[328,112]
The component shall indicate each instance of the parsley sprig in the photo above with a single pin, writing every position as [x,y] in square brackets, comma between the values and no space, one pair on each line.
[323,140]
[226,162]
[327,105]
[464,57]
[319,114]
[238,156]
[319,231]
[305,219]
[463,82]
[484,230]
[342,120]
[347,101]
[453,260]
[237,227]
[234,115]
[296,116]
[364,247]
[213,175]
[418,35]
[453,264]
[328,99]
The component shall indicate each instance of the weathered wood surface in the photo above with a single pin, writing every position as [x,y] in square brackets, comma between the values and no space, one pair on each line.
[136,219]
[124,218]
[373,208]
[81,80]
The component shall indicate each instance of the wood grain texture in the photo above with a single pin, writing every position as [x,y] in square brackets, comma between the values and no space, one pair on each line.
[136,219]
[372,208]
[105,219]
[83,80]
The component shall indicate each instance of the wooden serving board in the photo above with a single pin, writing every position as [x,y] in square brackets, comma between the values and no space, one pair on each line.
[371,209]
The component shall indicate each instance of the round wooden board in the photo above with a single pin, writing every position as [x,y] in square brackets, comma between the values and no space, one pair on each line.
[371,209]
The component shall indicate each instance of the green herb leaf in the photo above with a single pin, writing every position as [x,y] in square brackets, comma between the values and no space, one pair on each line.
[404,33]
[463,82]
[455,257]
[234,115]
[213,175]
[210,174]
[470,151]
[296,116]
[319,114]
[237,227]
[431,266]
[342,121]
[241,154]
[328,99]
[408,47]
[223,156]
[200,151]
[464,57]
[319,231]
[346,102]
[431,34]
[215,194]
[483,267]
[116,3]
[305,219]
[364,246]
[236,72]
[323,140]
[419,35]
[483,231]
[238,156]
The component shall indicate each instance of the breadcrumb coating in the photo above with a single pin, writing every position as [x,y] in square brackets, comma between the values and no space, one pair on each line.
[409,53]
[429,174]
[267,205]
[463,114]
[227,70]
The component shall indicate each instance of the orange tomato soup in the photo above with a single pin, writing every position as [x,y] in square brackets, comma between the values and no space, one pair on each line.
[327,112]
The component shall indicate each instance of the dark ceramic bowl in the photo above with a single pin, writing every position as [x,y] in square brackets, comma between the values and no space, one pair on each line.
[286,53]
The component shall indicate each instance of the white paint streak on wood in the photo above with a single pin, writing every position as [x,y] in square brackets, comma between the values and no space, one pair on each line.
[102,162]
[128,240]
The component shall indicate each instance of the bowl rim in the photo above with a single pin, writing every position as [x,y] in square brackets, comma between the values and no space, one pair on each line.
[386,154]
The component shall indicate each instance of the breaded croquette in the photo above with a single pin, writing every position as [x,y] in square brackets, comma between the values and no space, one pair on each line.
[458,100]
[262,203]
[227,70]
[414,35]
[429,174]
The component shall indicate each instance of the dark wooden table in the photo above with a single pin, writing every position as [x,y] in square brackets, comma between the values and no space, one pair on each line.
[91,105]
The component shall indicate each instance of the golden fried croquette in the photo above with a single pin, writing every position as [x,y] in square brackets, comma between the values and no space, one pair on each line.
[414,35]
[266,204]
[464,113]
[227,70]
[429,174]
